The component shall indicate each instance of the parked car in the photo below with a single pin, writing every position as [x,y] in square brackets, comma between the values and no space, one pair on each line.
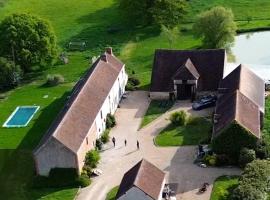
[267,85]
[205,102]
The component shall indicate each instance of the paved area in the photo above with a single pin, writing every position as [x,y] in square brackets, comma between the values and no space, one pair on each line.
[177,162]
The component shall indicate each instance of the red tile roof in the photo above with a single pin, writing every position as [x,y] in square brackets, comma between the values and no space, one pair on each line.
[144,176]
[88,96]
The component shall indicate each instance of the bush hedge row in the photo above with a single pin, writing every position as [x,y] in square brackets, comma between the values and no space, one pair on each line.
[254,182]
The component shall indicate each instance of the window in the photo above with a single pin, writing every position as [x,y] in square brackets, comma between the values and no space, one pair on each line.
[87,140]
[101,114]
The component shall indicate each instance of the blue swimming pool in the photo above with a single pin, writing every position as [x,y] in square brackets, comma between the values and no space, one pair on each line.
[21,116]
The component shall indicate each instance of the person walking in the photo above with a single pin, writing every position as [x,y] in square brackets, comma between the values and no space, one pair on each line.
[125,142]
[113,140]
[138,145]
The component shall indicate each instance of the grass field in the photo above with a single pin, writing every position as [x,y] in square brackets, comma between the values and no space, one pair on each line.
[86,20]
[112,193]
[223,187]
[189,134]
[155,109]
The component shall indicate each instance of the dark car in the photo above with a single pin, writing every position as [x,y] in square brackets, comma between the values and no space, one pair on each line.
[205,102]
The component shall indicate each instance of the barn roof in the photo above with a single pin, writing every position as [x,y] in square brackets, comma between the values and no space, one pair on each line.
[247,82]
[237,107]
[208,63]
[76,118]
[144,176]
[187,72]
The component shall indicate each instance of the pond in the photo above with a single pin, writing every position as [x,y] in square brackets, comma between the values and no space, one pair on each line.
[253,50]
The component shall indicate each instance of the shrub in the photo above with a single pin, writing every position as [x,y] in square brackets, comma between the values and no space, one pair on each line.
[87,170]
[110,121]
[246,156]
[105,136]
[99,144]
[10,75]
[83,181]
[134,81]
[130,87]
[55,79]
[231,140]
[210,160]
[92,158]
[222,160]
[254,181]
[263,149]
[179,118]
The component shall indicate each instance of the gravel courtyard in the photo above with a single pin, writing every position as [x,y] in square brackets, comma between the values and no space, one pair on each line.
[177,162]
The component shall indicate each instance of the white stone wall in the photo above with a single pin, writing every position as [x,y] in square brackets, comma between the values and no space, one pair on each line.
[54,155]
[112,101]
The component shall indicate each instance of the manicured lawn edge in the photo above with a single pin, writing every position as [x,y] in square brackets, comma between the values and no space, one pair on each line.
[111,195]
[223,187]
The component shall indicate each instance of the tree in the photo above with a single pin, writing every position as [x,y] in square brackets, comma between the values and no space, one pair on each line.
[10,75]
[216,27]
[170,34]
[28,40]
[136,12]
[168,12]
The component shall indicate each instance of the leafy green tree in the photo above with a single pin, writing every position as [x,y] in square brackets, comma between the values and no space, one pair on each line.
[170,34]
[10,75]
[168,12]
[136,12]
[28,40]
[216,27]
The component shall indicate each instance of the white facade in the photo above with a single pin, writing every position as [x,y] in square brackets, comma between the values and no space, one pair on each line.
[112,101]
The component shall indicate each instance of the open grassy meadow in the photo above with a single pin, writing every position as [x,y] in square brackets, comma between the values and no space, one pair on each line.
[89,21]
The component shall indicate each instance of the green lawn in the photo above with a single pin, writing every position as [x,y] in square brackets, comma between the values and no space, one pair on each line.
[88,20]
[266,130]
[190,134]
[155,109]
[223,187]
[112,193]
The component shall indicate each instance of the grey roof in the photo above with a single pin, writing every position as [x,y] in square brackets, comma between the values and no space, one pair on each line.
[187,72]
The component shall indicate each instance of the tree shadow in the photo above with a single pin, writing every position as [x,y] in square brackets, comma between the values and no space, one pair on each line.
[17,165]
[106,27]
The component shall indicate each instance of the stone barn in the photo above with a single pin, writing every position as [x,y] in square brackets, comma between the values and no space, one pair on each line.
[83,118]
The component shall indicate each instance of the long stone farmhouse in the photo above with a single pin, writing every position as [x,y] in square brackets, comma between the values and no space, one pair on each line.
[187,74]
[83,117]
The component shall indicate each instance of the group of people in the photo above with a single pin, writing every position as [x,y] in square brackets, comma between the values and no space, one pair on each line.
[114,142]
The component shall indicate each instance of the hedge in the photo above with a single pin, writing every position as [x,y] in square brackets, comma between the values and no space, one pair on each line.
[232,140]
[254,181]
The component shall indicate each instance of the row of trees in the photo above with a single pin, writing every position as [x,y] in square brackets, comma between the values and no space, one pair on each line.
[26,41]
[216,27]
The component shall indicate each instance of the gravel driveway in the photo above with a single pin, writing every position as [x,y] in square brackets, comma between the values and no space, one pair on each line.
[177,162]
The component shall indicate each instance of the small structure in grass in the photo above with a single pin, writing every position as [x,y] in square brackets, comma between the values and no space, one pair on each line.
[76,46]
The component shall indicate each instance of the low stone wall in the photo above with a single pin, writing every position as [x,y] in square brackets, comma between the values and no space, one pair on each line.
[159,95]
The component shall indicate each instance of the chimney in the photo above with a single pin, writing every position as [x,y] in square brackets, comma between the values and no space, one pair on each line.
[109,50]
[103,57]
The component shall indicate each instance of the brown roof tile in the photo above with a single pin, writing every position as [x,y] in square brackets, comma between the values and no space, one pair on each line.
[88,96]
[247,82]
[237,107]
[144,176]
[187,72]
[208,63]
